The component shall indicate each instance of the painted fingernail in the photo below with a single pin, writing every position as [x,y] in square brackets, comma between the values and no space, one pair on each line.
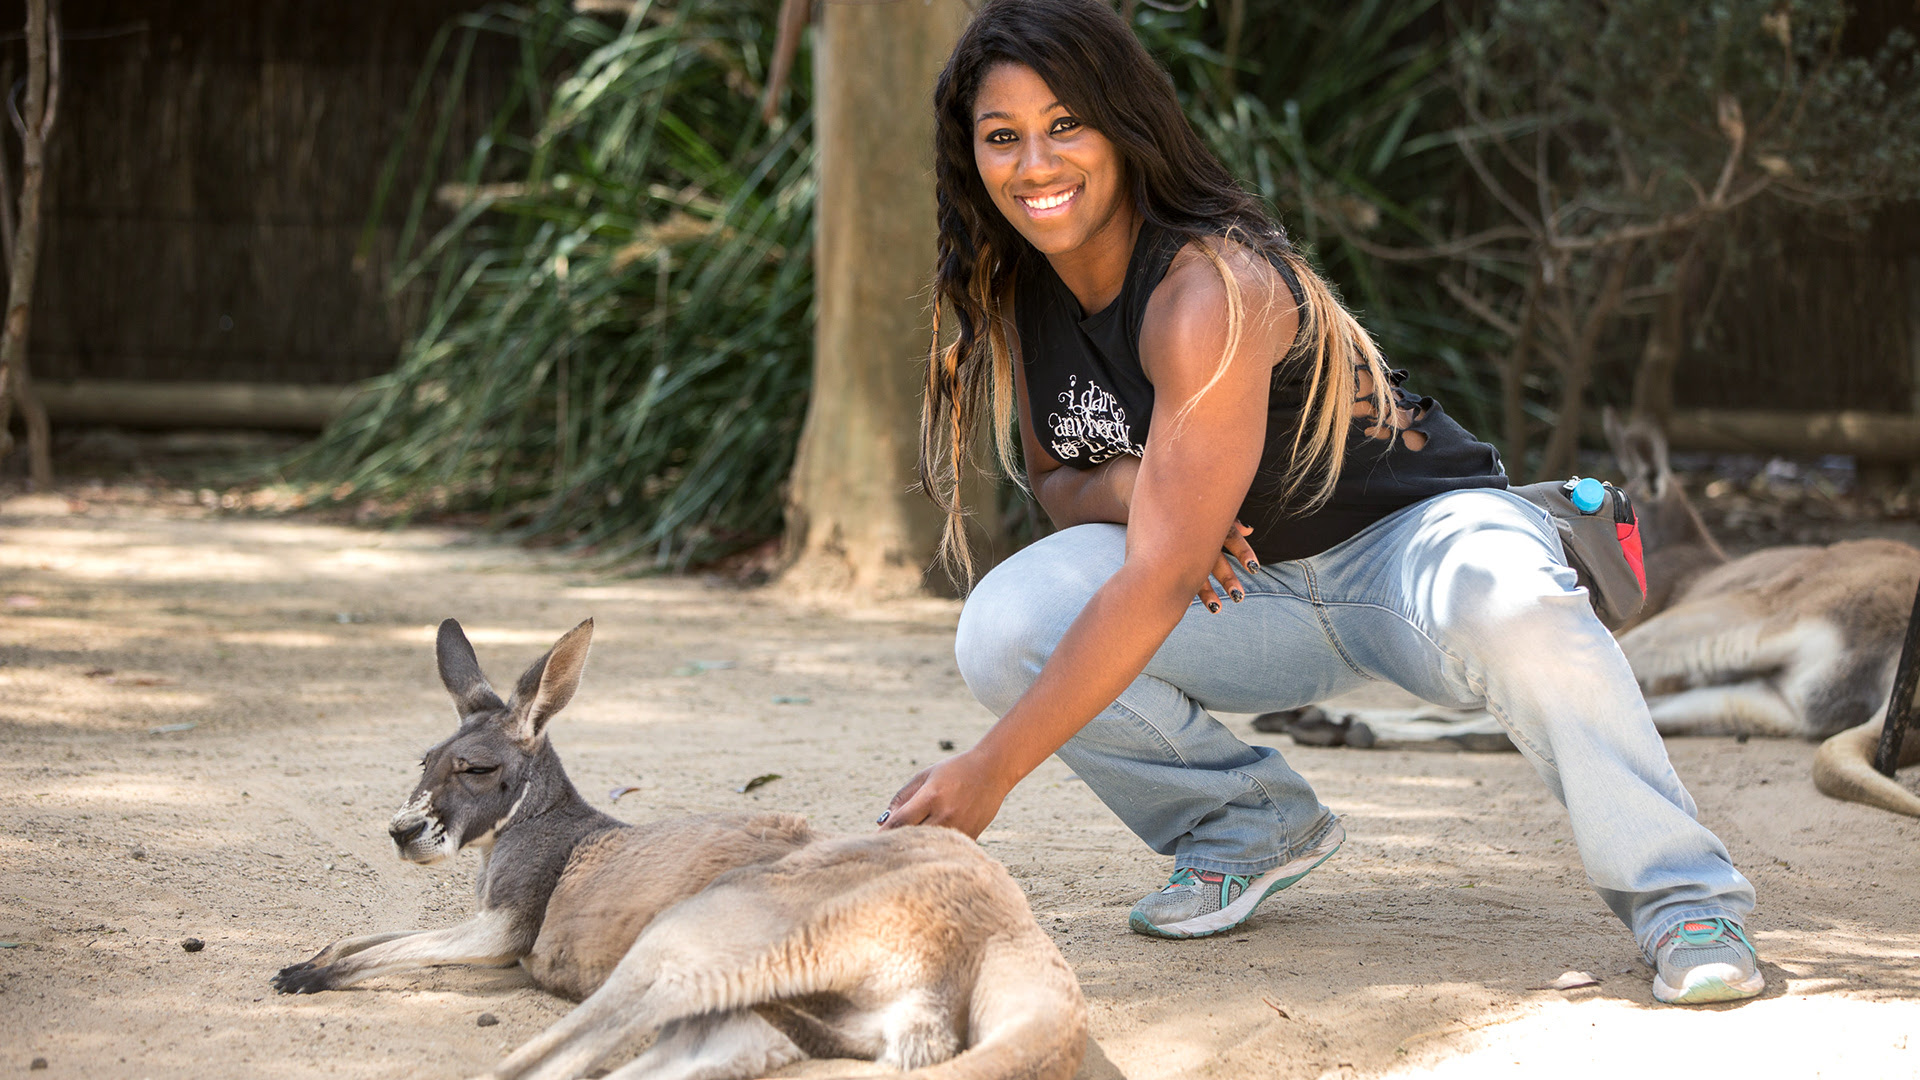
[1251,565]
[1213,606]
[882,819]
[1237,595]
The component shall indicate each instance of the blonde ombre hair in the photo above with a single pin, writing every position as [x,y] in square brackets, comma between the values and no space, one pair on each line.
[1093,63]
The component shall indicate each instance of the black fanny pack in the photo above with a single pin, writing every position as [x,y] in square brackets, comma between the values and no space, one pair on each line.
[1601,536]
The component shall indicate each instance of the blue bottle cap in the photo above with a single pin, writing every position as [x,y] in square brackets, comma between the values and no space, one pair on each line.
[1588,495]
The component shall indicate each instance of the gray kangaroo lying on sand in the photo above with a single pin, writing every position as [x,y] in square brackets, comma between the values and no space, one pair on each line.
[743,942]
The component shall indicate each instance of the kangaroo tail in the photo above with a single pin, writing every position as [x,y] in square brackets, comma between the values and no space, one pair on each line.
[1027,1021]
[1843,768]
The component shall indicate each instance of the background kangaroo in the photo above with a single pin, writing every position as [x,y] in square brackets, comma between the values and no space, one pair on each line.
[1786,641]
[1793,641]
[743,942]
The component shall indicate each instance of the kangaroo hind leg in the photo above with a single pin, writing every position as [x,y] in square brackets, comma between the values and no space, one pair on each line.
[666,978]
[717,1046]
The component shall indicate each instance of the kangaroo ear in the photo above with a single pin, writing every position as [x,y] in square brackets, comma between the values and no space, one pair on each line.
[548,685]
[460,672]
[1616,435]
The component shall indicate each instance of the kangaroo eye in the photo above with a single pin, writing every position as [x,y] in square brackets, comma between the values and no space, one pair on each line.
[479,770]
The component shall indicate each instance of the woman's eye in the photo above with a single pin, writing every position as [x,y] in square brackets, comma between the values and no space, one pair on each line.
[479,770]
[1065,124]
[1000,138]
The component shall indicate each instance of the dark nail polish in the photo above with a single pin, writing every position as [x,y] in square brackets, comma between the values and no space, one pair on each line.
[1254,566]
[1237,595]
[882,819]
[1213,606]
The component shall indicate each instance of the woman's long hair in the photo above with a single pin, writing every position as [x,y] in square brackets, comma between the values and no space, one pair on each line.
[1099,71]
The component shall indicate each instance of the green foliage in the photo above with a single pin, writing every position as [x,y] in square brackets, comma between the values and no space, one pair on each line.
[616,349]
[1615,148]
[1642,98]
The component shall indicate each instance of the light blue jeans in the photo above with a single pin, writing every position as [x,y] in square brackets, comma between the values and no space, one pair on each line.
[1464,600]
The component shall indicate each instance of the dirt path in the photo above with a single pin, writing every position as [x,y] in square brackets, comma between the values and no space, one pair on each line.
[301,655]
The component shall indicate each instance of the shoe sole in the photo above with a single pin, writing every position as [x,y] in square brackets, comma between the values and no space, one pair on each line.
[1236,913]
[1709,984]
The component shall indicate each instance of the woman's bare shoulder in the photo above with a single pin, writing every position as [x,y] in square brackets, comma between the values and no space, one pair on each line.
[1195,285]
[1192,304]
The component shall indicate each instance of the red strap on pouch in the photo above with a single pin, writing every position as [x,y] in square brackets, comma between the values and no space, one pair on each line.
[1629,537]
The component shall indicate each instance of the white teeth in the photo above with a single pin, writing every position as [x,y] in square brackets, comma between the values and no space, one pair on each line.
[1048,202]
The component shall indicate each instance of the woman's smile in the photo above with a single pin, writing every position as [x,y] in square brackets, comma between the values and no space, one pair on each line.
[1049,205]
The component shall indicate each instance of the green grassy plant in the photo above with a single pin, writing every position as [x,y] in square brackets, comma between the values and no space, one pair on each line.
[615,352]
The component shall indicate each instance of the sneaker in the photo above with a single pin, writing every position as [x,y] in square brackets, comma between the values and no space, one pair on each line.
[1706,961]
[1197,903]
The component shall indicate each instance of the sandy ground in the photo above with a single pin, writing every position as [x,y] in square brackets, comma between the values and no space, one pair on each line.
[300,655]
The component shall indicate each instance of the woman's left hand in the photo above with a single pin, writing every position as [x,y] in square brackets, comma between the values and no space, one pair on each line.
[963,792]
[1234,553]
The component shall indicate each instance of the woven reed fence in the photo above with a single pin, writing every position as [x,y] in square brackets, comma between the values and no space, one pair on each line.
[211,176]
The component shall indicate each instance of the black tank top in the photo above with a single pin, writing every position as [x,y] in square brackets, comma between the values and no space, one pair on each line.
[1090,401]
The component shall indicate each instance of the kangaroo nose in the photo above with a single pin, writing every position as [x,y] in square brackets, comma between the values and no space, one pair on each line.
[404,834]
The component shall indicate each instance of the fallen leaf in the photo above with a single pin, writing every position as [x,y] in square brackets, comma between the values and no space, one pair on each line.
[98,672]
[946,744]
[1284,1015]
[1570,980]
[615,794]
[758,781]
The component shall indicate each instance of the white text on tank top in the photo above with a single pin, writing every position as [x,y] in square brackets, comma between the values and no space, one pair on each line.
[1094,425]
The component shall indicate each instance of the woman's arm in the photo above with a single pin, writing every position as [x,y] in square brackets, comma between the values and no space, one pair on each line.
[1195,473]
[1069,496]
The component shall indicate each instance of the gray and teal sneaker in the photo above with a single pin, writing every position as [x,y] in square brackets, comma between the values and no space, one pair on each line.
[1704,961]
[1197,903]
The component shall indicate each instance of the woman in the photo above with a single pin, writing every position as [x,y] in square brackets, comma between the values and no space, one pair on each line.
[1182,375]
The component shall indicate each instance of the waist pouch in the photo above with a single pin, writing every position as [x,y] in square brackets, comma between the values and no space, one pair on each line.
[1603,546]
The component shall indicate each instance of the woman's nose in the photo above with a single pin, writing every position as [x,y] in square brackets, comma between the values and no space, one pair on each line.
[1037,159]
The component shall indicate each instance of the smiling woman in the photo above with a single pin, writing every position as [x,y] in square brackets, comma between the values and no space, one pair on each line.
[1198,414]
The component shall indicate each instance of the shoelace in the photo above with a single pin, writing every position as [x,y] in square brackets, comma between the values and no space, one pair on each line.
[1709,932]
[1187,875]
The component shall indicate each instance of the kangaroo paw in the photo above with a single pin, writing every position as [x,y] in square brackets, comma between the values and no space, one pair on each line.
[304,978]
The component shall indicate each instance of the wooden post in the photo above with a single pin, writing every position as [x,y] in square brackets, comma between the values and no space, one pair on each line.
[1893,731]
[35,122]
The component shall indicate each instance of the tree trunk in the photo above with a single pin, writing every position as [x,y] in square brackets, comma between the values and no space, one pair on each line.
[1513,375]
[1563,446]
[36,120]
[853,524]
[1666,339]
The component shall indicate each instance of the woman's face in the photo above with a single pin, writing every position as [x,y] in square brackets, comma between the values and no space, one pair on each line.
[1055,178]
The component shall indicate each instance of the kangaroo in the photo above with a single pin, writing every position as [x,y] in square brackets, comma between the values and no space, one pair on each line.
[742,942]
[1789,641]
